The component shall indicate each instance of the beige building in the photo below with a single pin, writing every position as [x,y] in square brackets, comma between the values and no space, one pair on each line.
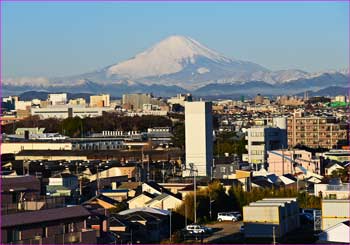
[314,132]
[102,100]
[77,101]
[334,212]
[15,147]
[130,171]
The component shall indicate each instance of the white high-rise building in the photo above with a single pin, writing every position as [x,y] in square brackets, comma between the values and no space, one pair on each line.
[199,137]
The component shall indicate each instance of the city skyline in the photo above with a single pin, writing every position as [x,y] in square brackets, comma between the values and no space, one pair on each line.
[95,35]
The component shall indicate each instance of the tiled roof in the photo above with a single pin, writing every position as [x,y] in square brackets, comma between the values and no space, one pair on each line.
[46,215]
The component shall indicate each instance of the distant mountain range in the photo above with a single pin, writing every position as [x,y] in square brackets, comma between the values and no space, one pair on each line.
[180,64]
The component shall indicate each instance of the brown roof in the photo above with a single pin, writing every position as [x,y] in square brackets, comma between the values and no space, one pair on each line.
[129,185]
[45,215]
[20,182]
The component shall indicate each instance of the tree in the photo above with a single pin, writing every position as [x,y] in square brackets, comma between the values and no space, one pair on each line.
[72,127]
[179,135]
[341,173]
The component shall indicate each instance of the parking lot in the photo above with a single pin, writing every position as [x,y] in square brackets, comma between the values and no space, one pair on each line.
[225,231]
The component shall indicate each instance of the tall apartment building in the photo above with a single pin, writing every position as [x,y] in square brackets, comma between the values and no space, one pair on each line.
[199,136]
[102,100]
[314,132]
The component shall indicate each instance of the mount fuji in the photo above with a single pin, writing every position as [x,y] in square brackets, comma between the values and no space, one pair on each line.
[180,64]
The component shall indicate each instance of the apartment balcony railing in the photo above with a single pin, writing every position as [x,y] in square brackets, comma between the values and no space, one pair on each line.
[86,236]
[344,187]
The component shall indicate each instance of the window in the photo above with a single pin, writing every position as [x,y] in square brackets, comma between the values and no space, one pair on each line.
[13,235]
[222,169]
[45,232]
[332,196]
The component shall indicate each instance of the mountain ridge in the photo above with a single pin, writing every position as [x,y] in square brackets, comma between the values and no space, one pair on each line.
[180,63]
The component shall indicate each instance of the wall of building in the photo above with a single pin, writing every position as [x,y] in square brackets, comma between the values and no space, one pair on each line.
[199,136]
[15,147]
[334,212]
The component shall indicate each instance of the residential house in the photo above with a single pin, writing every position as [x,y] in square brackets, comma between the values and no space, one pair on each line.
[152,225]
[334,189]
[140,200]
[164,201]
[62,184]
[17,192]
[49,226]
[333,166]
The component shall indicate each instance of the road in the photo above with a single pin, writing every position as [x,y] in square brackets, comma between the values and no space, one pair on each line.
[224,232]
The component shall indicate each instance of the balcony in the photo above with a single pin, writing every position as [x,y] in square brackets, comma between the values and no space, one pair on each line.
[86,236]
[343,187]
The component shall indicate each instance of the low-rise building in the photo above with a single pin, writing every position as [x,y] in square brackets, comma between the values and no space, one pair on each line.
[262,139]
[335,189]
[334,212]
[271,217]
[48,226]
[66,111]
[282,161]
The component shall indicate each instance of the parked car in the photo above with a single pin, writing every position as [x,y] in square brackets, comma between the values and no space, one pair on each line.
[197,229]
[229,216]
[237,214]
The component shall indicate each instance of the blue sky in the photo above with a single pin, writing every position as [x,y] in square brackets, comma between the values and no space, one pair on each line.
[60,38]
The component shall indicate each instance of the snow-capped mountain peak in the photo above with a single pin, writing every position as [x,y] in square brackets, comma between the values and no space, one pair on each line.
[169,56]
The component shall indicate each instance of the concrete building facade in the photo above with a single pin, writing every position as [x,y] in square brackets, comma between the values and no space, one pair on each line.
[262,139]
[199,136]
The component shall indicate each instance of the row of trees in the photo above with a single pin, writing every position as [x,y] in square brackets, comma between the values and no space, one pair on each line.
[75,127]
[220,200]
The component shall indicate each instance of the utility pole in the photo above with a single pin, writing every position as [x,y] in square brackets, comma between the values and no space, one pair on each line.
[273,236]
[163,173]
[185,215]
[170,226]
[148,168]
[98,180]
[141,162]
[195,196]
[282,161]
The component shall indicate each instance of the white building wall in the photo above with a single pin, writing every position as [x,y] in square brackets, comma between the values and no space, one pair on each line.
[334,212]
[22,105]
[199,136]
[62,111]
[339,233]
[57,99]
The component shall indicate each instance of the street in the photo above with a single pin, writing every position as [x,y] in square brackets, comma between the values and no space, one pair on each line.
[224,232]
